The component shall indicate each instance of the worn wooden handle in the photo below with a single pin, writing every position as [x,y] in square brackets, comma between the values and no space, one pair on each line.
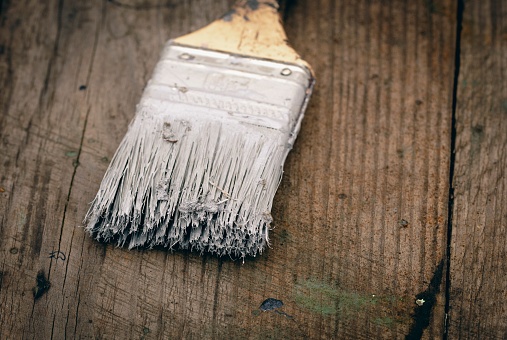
[252,28]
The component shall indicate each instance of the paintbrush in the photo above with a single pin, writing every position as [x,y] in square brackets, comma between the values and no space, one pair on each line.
[203,157]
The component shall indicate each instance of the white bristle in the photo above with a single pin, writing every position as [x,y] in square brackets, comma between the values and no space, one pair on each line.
[203,184]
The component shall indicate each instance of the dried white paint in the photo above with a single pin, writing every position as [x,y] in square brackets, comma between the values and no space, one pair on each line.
[420,302]
[199,168]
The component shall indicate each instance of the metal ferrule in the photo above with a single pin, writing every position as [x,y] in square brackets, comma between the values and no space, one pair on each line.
[217,85]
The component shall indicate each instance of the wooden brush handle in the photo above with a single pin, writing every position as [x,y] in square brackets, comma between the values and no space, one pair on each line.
[252,28]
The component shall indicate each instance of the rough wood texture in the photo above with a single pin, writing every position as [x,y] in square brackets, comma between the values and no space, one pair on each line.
[478,272]
[360,217]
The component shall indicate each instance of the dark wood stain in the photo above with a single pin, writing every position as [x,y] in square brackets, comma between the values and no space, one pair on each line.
[42,285]
[423,314]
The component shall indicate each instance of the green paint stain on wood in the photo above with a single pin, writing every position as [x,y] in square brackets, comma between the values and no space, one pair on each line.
[331,300]
[322,298]
[384,321]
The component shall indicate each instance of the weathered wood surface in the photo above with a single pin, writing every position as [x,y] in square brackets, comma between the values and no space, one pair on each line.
[478,271]
[360,217]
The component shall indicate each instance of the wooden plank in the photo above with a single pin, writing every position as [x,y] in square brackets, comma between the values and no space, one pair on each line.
[478,269]
[46,56]
[380,159]
[360,217]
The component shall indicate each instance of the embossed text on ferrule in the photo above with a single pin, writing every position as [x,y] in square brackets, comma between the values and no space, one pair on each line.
[233,105]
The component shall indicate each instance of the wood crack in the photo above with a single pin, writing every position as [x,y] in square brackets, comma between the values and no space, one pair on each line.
[83,133]
[450,207]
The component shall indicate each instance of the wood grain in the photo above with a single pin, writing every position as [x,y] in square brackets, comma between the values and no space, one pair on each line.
[372,201]
[478,272]
[360,217]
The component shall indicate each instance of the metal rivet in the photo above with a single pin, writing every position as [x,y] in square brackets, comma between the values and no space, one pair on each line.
[186,56]
[286,72]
